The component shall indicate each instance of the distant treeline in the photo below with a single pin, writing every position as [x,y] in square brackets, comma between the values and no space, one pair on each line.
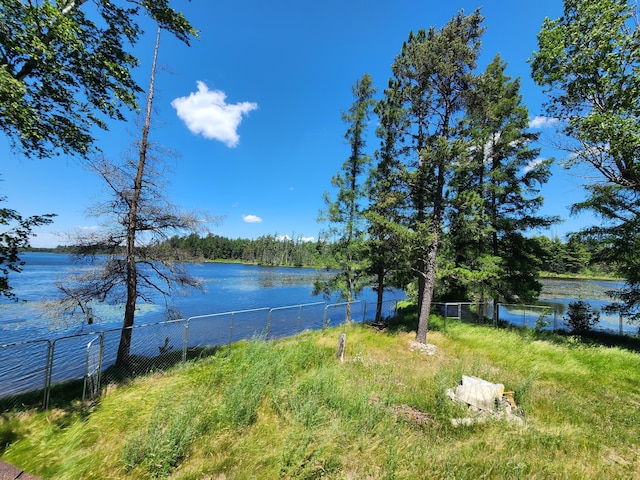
[559,257]
[574,257]
[265,250]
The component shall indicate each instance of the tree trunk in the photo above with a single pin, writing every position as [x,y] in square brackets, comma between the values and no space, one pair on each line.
[124,349]
[429,281]
[428,274]
[380,295]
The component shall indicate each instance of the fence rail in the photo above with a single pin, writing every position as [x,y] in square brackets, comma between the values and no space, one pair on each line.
[30,370]
[545,317]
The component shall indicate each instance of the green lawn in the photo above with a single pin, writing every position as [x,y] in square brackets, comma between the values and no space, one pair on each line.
[289,409]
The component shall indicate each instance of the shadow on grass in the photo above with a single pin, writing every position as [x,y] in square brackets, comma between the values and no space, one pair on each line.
[68,395]
[589,338]
[406,320]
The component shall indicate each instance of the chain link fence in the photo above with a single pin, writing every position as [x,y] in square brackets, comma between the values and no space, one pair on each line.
[81,365]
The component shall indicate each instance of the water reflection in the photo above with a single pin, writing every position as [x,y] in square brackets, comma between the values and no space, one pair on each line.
[558,293]
[555,288]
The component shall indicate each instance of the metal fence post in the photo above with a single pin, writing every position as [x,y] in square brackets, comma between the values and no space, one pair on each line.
[230,332]
[48,373]
[47,376]
[621,329]
[324,318]
[100,358]
[268,329]
[185,341]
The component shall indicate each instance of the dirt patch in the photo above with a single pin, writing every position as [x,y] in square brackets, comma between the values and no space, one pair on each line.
[413,415]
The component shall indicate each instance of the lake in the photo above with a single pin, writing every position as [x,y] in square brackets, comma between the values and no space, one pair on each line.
[227,288]
[558,293]
[256,294]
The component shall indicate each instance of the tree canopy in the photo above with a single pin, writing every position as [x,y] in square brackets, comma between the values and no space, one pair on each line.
[589,63]
[66,67]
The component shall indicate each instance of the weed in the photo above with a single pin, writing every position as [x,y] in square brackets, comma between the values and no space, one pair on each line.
[159,446]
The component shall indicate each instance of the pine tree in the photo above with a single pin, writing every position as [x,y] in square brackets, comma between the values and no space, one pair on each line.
[345,214]
[387,201]
[496,195]
[434,70]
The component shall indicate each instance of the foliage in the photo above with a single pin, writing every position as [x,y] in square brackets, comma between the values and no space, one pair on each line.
[578,256]
[495,196]
[389,264]
[49,99]
[385,402]
[581,317]
[276,249]
[14,236]
[589,62]
[433,73]
[344,214]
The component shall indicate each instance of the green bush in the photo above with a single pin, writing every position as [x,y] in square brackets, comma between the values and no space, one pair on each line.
[581,317]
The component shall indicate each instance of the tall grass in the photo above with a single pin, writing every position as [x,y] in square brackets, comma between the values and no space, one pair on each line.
[289,409]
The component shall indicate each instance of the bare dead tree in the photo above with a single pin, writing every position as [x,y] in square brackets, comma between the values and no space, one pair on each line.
[136,218]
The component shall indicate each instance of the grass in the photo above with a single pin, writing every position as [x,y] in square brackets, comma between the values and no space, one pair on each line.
[289,409]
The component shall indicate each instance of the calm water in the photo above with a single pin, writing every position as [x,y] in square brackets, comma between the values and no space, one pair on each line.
[558,293]
[227,287]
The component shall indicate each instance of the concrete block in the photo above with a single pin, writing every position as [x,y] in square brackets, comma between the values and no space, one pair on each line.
[479,393]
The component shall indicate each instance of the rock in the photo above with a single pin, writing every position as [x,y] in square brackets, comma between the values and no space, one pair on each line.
[427,349]
[485,400]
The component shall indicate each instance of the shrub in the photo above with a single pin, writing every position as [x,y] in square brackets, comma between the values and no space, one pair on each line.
[581,317]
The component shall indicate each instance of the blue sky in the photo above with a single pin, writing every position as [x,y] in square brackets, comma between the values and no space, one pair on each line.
[253,109]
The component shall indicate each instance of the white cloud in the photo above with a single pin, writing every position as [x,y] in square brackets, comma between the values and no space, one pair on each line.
[251,218]
[307,239]
[207,113]
[542,122]
[533,164]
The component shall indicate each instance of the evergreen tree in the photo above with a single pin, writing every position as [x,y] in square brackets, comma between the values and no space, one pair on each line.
[496,195]
[344,214]
[387,200]
[434,70]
